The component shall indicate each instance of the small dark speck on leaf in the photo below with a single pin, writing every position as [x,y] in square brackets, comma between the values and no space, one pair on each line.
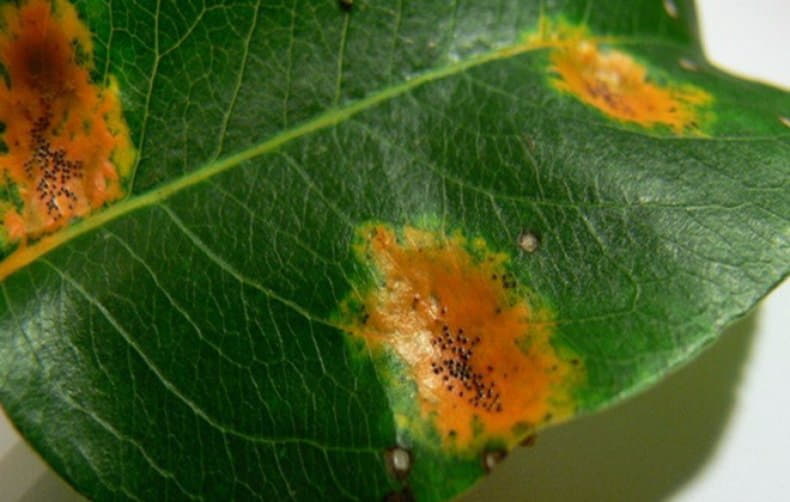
[404,495]
[346,5]
[529,440]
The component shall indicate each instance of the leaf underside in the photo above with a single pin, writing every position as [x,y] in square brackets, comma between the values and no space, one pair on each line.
[181,343]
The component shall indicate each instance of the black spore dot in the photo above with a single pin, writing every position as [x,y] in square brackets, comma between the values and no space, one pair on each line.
[346,5]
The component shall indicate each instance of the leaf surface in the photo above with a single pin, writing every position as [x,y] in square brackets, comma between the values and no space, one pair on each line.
[238,326]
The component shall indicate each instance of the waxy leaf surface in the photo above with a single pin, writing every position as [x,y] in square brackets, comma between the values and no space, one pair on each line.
[294,250]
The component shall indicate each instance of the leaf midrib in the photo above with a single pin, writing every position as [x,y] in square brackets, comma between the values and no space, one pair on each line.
[25,255]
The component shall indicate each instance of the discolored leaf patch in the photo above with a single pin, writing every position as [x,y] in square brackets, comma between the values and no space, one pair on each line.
[473,354]
[616,84]
[68,147]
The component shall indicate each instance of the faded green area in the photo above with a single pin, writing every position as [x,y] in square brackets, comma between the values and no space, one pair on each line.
[183,349]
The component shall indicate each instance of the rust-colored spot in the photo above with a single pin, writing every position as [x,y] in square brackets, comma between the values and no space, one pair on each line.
[463,335]
[68,147]
[615,83]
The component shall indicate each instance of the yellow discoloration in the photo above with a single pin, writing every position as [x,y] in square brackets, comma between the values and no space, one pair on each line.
[68,147]
[465,337]
[616,84]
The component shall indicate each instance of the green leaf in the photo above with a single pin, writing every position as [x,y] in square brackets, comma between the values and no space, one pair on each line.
[225,331]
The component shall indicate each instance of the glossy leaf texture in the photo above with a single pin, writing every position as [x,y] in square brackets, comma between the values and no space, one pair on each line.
[197,337]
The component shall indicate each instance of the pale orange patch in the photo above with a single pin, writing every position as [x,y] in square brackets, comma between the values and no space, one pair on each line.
[613,82]
[68,145]
[482,368]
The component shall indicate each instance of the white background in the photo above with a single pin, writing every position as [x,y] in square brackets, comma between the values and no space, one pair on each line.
[718,430]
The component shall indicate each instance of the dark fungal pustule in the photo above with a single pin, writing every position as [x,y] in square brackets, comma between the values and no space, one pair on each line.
[55,168]
[454,364]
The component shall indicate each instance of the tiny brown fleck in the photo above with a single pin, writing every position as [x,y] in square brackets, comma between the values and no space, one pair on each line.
[529,441]
[404,495]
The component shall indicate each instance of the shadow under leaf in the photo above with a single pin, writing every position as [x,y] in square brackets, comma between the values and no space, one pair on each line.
[644,449]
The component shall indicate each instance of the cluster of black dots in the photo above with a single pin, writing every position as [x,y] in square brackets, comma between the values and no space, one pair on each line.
[508,280]
[54,169]
[458,376]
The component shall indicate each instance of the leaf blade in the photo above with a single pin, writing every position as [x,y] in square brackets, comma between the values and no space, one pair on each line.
[275,365]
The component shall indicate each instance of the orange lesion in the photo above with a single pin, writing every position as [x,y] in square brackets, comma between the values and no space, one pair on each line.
[68,147]
[615,83]
[462,330]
